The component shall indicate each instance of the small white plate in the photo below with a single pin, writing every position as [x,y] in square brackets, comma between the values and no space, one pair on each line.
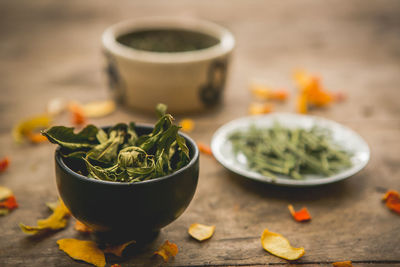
[348,139]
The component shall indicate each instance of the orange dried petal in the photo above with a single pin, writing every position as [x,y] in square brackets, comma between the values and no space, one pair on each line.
[187,125]
[342,264]
[279,246]
[204,149]
[201,232]
[83,250]
[301,215]
[392,200]
[116,265]
[117,250]
[260,108]
[77,114]
[81,227]
[5,192]
[37,138]
[10,203]
[28,126]
[4,163]
[167,250]
[302,103]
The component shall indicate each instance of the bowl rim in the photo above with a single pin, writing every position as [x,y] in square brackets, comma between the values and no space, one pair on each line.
[225,45]
[60,162]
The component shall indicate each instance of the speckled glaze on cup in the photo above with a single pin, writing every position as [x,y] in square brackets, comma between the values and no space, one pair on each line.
[185,81]
[127,209]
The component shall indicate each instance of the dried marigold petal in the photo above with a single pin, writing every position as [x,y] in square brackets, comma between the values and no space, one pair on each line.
[342,264]
[392,200]
[77,114]
[117,250]
[98,109]
[83,250]
[265,93]
[302,106]
[167,250]
[301,215]
[4,163]
[37,138]
[81,227]
[116,265]
[5,192]
[187,125]
[28,126]
[279,246]
[201,232]
[204,148]
[260,108]
[55,221]
[9,203]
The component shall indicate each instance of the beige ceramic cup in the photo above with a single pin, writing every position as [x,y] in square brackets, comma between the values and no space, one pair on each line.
[185,81]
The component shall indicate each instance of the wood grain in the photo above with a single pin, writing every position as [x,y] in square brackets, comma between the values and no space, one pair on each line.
[52,49]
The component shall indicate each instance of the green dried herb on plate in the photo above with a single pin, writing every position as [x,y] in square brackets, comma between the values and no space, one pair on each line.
[290,152]
[119,154]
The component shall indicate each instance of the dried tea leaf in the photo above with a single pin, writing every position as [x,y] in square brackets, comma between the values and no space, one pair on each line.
[4,163]
[5,192]
[342,264]
[167,250]
[260,108]
[187,125]
[117,250]
[201,232]
[56,221]
[279,246]
[98,109]
[392,200]
[83,250]
[301,215]
[65,137]
[28,126]
[203,148]
[83,228]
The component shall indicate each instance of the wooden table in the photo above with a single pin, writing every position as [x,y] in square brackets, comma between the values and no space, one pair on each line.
[51,49]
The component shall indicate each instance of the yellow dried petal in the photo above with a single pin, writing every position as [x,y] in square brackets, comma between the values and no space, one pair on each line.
[5,193]
[119,249]
[201,232]
[81,227]
[55,221]
[187,125]
[83,250]
[167,250]
[279,246]
[260,108]
[98,108]
[342,264]
[27,126]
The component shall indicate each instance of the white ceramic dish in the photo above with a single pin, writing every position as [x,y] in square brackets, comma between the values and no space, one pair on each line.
[185,81]
[348,139]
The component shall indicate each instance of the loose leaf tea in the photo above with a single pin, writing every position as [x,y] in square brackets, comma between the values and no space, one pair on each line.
[120,154]
[291,152]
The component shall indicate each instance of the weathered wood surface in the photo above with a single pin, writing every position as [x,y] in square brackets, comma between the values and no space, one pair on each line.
[51,49]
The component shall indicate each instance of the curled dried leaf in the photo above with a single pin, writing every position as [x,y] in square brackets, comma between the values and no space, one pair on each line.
[83,250]
[56,221]
[83,228]
[201,232]
[167,250]
[279,246]
[117,250]
[4,163]
[260,108]
[301,215]
[204,149]
[342,264]
[187,125]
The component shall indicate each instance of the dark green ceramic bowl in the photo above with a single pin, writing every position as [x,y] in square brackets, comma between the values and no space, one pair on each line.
[130,209]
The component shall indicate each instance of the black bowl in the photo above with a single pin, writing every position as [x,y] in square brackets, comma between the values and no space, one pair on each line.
[127,208]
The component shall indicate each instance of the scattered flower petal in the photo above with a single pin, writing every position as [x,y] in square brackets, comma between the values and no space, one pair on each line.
[98,109]
[342,264]
[201,232]
[4,162]
[279,246]
[187,125]
[26,127]
[392,200]
[167,250]
[83,228]
[36,138]
[204,149]
[9,203]
[301,215]
[5,192]
[116,265]
[260,108]
[118,249]
[77,114]
[56,221]
[83,250]
[264,93]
